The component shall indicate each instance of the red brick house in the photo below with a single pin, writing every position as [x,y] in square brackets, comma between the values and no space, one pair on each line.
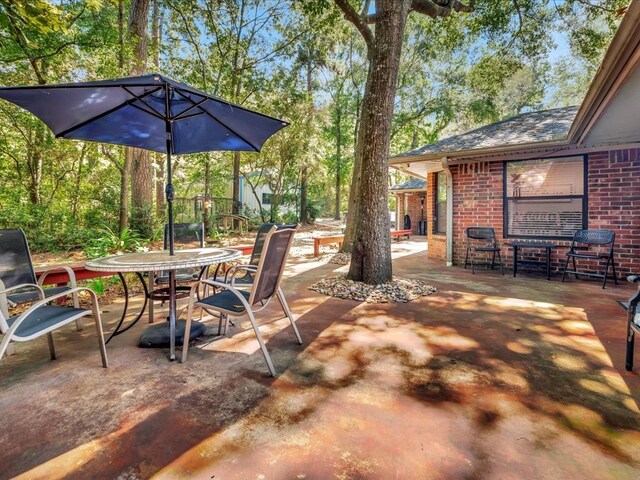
[543,175]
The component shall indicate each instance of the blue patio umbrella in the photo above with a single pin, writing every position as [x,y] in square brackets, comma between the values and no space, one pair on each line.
[152,112]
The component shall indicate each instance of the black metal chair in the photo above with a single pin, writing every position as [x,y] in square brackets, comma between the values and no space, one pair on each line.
[593,245]
[231,301]
[184,235]
[633,321]
[482,240]
[16,268]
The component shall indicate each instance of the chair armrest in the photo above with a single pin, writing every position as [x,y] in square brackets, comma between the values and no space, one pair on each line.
[5,303]
[233,270]
[238,268]
[633,278]
[40,303]
[70,272]
[24,286]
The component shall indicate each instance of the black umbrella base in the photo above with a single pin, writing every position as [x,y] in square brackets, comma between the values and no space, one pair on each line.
[157,336]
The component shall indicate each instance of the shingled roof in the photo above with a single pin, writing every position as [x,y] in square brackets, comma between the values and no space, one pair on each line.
[533,127]
[411,184]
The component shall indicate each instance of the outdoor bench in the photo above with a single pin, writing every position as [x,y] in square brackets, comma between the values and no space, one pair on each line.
[398,234]
[328,240]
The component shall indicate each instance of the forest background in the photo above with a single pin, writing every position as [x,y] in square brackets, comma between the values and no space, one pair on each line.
[297,60]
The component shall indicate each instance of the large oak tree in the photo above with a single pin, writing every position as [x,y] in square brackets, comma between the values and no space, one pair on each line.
[383,31]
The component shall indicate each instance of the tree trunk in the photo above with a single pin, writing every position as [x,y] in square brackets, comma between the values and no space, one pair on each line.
[141,192]
[34,161]
[76,191]
[125,180]
[303,194]
[352,208]
[141,166]
[160,204]
[155,34]
[371,255]
[121,34]
[354,190]
[336,215]
[304,173]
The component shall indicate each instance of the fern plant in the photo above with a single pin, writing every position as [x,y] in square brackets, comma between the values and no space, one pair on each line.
[111,243]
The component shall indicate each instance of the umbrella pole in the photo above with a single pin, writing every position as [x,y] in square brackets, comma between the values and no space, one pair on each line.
[172,272]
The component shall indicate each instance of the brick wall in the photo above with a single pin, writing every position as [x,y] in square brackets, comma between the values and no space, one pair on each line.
[477,201]
[613,204]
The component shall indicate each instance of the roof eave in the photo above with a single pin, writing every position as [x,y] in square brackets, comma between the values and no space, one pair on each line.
[477,152]
[620,60]
[408,190]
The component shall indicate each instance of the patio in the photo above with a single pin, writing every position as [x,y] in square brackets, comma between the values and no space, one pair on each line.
[490,377]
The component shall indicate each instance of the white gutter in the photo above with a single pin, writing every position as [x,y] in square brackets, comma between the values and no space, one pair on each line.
[449,232]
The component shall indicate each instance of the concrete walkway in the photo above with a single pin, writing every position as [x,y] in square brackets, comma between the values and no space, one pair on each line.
[490,377]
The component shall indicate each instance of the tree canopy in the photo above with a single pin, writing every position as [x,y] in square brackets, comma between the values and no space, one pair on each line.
[460,65]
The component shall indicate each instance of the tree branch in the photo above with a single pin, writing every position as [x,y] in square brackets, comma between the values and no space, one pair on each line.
[351,15]
[441,8]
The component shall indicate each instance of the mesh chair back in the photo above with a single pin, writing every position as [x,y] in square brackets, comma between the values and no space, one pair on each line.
[594,237]
[264,229]
[15,260]
[272,262]
[185,234]
[481,233]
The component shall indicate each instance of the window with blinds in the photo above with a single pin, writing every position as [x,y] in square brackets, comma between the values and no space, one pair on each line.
[545,198]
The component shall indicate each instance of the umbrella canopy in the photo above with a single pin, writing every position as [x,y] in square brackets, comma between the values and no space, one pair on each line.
[137,111]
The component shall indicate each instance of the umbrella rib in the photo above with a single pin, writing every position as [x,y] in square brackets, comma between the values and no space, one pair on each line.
[155,114]
[222,124]
[103,114]
[159,114]
[182,114]
[189,116]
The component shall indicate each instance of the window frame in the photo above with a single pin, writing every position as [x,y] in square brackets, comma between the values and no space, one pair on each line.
[584,197]
[436,217]
[270,196]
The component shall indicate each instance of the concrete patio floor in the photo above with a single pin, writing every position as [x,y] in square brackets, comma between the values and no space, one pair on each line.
[490,377]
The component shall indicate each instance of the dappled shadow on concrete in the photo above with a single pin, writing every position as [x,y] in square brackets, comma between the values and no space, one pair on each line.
[486,378]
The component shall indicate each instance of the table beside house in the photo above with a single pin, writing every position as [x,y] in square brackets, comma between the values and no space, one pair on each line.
[155,261]
[527,263]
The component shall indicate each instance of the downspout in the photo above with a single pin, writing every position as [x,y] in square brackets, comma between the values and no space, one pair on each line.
[449,233]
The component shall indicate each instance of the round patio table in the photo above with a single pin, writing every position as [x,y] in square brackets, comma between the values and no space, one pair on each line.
[154,261]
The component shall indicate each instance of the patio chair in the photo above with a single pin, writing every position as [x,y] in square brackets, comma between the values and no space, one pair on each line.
[633,321]
[592,245]
[16,268]
[42,318]
[482,240]
[189,235]
[234,302]
[246,277]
